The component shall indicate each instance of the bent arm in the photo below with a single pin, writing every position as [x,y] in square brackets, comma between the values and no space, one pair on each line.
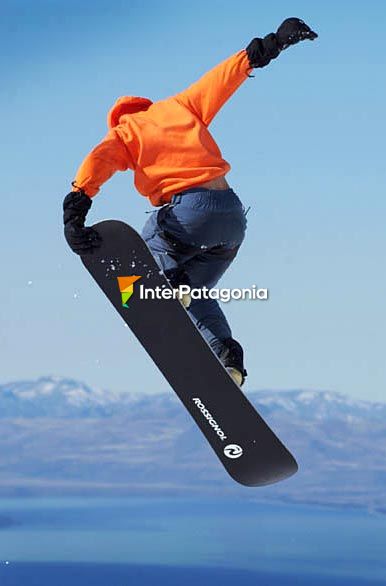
[205,97]
[101,163]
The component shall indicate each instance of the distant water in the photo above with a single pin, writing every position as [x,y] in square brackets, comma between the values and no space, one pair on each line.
[122,575]
[120,542]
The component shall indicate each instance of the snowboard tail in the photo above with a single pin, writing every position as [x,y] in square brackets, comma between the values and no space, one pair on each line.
[248,449]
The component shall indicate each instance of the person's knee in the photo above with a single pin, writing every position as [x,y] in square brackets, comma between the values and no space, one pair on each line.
[177,276]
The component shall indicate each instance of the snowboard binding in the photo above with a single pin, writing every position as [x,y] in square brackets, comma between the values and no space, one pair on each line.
[232,357]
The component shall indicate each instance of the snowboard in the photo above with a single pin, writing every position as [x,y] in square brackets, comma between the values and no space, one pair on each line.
[248,449]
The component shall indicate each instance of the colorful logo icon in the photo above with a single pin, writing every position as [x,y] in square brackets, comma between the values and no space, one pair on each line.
[126,287]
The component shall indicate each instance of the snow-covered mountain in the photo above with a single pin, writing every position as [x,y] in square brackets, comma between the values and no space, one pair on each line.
[68,398]
[59,436]
[57,397]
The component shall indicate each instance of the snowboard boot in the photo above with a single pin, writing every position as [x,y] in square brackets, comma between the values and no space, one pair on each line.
[177,277]
[232,357]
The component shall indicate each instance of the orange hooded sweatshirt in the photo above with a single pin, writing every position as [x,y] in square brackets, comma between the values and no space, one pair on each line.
[167,143]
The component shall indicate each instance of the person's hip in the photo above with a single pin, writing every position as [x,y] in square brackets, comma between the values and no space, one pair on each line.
[207,217]
[207,199]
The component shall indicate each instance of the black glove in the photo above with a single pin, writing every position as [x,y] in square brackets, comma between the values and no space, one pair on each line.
[81,240]
[293,30]
[261,51]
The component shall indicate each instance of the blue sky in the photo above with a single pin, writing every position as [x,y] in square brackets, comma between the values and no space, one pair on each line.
[305,139]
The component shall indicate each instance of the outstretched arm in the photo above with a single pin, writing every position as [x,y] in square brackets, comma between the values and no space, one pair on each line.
[205,97]
[108,157]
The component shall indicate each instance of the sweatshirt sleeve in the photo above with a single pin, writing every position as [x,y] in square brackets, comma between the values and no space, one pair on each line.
[101,163]
[205,97]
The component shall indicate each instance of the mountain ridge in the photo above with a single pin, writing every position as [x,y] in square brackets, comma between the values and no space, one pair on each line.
[59,436]
[51,396]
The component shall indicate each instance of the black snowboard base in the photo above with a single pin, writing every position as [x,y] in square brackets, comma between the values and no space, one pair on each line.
[248,449]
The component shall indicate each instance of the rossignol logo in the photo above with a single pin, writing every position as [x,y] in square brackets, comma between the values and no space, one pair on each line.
[212,422]
[126,287]
[233,451]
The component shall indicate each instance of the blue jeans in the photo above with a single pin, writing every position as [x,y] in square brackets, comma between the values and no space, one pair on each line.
[200,232]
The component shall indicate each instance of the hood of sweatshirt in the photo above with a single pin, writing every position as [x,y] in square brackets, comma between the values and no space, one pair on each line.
[126,105]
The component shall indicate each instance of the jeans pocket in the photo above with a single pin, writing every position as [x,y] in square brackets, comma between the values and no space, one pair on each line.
[169,230]
[161,216]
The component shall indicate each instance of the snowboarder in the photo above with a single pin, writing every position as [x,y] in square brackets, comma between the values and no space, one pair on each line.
[200,224]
